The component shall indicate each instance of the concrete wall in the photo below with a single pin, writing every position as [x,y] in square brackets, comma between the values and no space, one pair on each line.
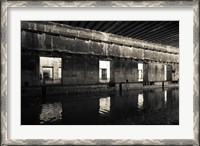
[35,41]
[155,72]
[80,70]
[175,72]
[125,70]
[49,37]
[69,31]
[81,51]
[29,69]
[169,72]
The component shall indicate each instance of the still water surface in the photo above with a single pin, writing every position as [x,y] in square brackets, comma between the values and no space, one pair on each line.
[137,107]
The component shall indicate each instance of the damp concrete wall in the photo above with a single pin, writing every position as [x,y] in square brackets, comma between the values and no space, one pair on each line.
[125,70]
[80,70]
[155,72]
[29,69]
[52,37]
[175,72]
[81,51]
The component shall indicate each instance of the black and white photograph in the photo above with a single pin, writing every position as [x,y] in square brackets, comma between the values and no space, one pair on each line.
[99,72]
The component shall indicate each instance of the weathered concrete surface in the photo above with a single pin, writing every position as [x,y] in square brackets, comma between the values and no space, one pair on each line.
[70,89]
[130,86]
[51,37]
[169,73]
[82,49]
[155,72]
[29,69]
[175,72]
[160,56]
[85,70]
[44,42]
[80,70]
[65,30]
[125,70]
[145,72]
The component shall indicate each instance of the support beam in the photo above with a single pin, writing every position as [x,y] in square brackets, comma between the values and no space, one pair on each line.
[94,35]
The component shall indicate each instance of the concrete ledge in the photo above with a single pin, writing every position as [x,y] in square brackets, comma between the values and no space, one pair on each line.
[31,91]
[77,89]
[63,30]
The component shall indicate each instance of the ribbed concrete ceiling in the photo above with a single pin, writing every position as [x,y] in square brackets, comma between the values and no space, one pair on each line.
[162,32]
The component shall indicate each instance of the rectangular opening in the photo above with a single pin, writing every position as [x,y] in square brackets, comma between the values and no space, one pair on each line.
[59,72]
[165,72]
[104,74]
[140,72]
[50,70]
[47,72]
[104,71]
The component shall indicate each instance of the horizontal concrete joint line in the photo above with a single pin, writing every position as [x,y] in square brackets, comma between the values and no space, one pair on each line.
[65,30]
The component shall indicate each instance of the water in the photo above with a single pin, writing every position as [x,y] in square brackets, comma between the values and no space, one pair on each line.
[137,107]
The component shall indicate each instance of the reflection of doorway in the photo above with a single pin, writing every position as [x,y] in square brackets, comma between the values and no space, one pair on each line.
[104,105]
[104,71]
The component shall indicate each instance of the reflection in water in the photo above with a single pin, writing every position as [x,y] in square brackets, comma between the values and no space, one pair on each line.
[165,99]
[133,107]
[51,112]
[104,105]
[140,101]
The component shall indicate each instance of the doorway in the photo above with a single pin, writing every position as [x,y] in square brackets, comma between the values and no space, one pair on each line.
[140,72]
[104,71]
[50,70]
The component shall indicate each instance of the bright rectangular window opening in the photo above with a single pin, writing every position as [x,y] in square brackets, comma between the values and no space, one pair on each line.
[140,72]
[47,72]
[104,71]
[50,70]
[165,72]
[59,72]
